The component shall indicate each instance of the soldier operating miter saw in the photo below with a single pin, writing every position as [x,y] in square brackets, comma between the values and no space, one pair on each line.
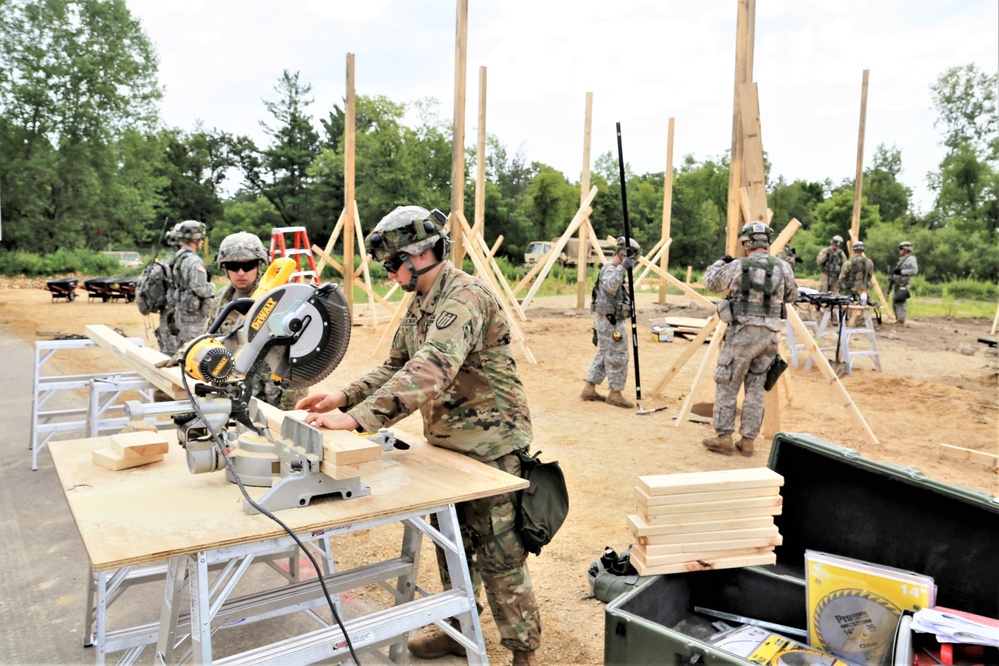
[295,333]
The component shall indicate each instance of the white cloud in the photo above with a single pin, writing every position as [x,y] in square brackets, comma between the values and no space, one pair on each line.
[644,61]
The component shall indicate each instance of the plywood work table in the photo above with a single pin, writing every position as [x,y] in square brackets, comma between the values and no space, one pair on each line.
[163,512]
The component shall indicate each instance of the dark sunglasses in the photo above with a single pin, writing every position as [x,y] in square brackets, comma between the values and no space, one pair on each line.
[393,263]
[245,266]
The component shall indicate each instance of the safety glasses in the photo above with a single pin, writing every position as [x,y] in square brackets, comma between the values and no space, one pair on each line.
[245,266]
[393,263]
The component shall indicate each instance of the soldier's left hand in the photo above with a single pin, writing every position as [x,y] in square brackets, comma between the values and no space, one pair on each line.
[332,421]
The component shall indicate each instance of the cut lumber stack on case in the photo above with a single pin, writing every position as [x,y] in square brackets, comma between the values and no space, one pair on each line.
[132,450]
[705,520]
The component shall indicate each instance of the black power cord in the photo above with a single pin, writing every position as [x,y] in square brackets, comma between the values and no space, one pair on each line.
[220,445]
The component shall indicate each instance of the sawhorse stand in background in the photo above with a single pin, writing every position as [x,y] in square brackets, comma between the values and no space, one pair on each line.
[857,321]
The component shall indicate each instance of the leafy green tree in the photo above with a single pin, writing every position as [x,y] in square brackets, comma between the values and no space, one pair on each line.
[881,185]
[795,200]
[698,221]
[193,167]
[551,203]
[835,216]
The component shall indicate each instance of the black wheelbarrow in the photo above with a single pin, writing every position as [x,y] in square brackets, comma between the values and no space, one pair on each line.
[123,288]
[100,288]
[62,288]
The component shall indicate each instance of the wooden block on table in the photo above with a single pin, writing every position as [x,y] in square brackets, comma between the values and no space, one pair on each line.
[700,546]
[767,532]
[689,498]
[341,447]
[139,444]
[701,565]
[113,460]
[711,505]
[641,528]
[684,518]
[340,472]
[731,479]
[701,555]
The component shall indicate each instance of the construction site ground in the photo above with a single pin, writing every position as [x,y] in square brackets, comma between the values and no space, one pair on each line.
[939,385]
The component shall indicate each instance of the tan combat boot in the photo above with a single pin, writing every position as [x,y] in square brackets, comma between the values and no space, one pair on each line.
[720,444]
[615,398]
[435,644]
[524,658]
[746,446]
[590,392]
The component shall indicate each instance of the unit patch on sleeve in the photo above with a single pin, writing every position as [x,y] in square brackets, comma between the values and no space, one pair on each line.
[445,319]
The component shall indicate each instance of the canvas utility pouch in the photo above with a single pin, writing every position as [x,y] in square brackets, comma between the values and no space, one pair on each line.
[901,294]
[613,575]
[724,308]
[774,372]
[543,506]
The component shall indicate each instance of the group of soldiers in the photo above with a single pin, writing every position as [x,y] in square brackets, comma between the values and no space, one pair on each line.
[854,276]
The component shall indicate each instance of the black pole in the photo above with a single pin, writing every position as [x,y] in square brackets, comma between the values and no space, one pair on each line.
[631,283]
[156,249]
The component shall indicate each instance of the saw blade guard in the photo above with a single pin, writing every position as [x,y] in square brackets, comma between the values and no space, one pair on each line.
[302,331]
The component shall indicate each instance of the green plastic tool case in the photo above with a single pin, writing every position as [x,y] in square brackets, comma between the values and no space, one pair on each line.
[835,501]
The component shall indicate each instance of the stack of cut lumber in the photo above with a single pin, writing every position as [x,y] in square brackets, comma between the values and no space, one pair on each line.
[131,450]
[705,520]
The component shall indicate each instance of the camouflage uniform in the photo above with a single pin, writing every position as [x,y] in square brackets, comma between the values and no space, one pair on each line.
[905,268]
[610,303]
[830,261]
[856,276]
[450,359]
[166,337]
[191,295]
[750,343]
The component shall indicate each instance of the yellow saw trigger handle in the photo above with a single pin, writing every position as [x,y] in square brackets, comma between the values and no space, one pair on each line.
[278,273]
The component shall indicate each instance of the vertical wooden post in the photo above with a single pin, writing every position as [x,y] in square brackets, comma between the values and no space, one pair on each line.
[742,75]
[667,210]
[348,187]
[584,188]
[858,183]
[458,138]
[478,225]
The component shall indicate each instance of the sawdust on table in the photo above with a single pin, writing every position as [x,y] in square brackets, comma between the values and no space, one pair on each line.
[939,385]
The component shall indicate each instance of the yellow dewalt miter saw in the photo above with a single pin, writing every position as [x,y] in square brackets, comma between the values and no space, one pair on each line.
[293,333]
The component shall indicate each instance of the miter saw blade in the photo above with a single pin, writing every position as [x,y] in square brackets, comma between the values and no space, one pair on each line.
[304,331]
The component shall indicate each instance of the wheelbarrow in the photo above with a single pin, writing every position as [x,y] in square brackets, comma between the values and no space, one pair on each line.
[100,288]
[63,288]
[123,288]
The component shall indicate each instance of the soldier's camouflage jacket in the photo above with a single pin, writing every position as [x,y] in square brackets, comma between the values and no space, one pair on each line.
[451,360]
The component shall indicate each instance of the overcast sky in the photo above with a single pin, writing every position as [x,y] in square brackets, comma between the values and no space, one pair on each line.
[644,62]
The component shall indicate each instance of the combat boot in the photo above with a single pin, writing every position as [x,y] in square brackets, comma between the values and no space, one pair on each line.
[590,392]
[436,644]
[615,398]
[524,658]
[746,446]
[720,444]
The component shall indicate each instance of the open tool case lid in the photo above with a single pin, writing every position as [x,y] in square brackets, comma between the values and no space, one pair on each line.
[838,502]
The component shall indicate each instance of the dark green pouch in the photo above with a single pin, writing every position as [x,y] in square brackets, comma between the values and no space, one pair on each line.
[774,372]
[594,337]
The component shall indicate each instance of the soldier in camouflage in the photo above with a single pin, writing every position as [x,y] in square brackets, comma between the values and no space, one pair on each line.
[830,261]
[241,255]
[759,287]
[166,339]
[857,275]
[451,361]
[611,305]
[192,291]
[901,278]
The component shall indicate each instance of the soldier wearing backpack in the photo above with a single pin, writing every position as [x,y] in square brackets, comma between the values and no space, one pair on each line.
[151,292]
[191,294]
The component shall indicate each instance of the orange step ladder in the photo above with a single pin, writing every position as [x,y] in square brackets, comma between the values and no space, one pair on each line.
[301,248]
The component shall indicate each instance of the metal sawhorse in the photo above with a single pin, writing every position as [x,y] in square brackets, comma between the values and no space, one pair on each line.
[845,336]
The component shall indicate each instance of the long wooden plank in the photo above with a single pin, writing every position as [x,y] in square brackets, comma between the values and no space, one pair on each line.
[728,479]
[340,447]
[767,532]
[676,558]
[640,528]
[644,499]
[960,453]
[687,518]
[141,359]
[713,505]
[637,559]
[698,546]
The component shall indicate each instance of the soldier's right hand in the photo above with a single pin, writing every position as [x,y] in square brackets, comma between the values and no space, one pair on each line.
[322,402]
[169,362]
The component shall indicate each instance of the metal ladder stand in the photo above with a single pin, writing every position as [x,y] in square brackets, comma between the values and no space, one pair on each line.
[301,247]
[847,355]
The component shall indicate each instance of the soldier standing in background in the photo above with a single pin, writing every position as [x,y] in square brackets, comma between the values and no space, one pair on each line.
[857,275]
[759,286]
[166,338]
[242,256]
[192,292]
[450,360]
[901,278]
[830,261]
[611,305]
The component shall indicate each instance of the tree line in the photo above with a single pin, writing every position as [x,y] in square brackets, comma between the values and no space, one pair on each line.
[85,162]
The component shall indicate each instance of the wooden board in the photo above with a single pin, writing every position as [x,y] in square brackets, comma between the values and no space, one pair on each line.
[340,447]
[120,526]
[729,545]
[141,359]
[677,558]
[766,532]
[733,479]
[960,453]
[637,559]
[703,516]
[711,505]
[689,498]
[640,528]
[689,323]
[110,459]
[140,444]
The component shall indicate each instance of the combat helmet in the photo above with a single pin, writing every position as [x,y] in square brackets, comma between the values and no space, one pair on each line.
[837,239]
[755,235]
[407,230]
[859,246]
[241,246]
[189,230]
[905,245]
[633,250]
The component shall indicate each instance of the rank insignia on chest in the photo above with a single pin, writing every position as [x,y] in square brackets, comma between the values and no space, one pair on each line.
[445,319]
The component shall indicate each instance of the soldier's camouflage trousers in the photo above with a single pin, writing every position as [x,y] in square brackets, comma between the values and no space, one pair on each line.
[829,283]
[497,560]
[611,360]
[746,354]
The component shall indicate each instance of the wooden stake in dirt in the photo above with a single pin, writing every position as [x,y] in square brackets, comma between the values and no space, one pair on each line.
[664,237]
[584,227]
[458,136]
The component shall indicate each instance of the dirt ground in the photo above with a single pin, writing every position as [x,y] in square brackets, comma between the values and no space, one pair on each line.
[938,385]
